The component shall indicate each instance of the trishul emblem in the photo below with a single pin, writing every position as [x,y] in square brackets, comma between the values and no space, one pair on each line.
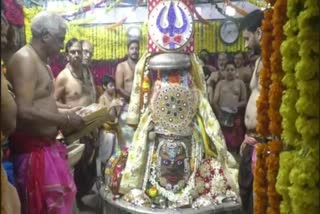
[172,34]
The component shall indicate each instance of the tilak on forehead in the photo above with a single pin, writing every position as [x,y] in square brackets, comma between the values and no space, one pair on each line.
[174,149]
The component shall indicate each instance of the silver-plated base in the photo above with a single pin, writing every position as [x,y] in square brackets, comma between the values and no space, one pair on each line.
[119,206]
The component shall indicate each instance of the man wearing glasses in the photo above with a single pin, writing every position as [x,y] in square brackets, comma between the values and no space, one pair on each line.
[74,86]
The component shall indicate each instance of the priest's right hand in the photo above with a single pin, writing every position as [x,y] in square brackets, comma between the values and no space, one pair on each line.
[74,122]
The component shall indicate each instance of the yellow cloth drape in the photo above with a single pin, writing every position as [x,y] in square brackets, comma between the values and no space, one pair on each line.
[134,106]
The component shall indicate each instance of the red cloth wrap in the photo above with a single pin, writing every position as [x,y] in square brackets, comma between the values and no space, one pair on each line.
[23,143]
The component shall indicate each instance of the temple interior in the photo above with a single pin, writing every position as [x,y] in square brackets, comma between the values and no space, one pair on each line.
[160,106]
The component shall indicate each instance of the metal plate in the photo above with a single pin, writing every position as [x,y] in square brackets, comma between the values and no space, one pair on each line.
[119,206]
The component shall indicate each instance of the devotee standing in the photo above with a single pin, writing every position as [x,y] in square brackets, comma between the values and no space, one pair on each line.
[216,76]
[124,80]
[206,67]
[243,72]
[74,85]
[125,70]
[229,99]
[87,53]
[75,88]
[10,202]
[252,35]
[222,60]
[40,161]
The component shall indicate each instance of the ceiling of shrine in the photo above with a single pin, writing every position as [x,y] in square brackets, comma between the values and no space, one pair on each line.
[132,11]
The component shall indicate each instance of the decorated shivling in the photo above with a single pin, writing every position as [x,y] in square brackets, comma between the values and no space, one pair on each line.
[178,157]
[160,106]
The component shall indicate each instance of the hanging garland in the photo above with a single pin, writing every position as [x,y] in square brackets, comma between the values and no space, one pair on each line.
[260,179]
[298,177]
[260,183]
[272,162]
[264,77]
[258,3]
[286,162]
[289,114]
[276,87]
[304,192]
[275,96]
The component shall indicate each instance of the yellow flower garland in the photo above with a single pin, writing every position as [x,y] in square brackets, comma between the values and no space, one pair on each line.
[298,177]
[258,3]
[304,176]
[289,114]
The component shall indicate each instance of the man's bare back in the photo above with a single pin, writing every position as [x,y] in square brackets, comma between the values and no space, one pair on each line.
[73,91]
[33,85]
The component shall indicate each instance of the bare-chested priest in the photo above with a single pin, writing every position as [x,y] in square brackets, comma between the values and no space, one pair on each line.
[124,80]
[125,71]
[87,53]
[252,35]
[243,72]
[75,87]
[40,161]
[215,77]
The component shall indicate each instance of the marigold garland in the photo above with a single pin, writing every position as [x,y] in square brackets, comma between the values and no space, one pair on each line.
[272,162]
[276,86]
[289,114]
[271,1]
[304,176]
[260,179]
[298,178]
[264,77]
[275,95]
[287,161]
